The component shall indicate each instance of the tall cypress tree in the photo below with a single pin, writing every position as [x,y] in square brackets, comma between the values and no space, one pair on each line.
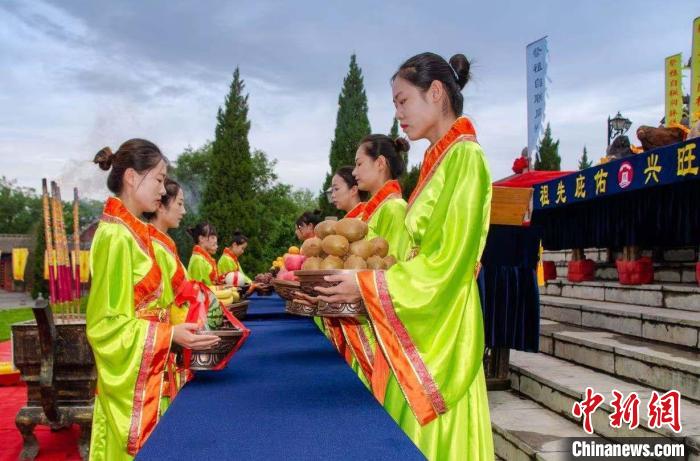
[394,132]
[548,154]
[410,180]
[228,201]
[352,124]
[584,162]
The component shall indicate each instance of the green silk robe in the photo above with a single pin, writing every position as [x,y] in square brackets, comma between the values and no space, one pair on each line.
[384,214]
[174,276]
[228,262]
[202,267]
[426,310]
[129,339]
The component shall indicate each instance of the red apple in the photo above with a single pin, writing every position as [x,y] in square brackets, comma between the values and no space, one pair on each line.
[293,262]
[289,276]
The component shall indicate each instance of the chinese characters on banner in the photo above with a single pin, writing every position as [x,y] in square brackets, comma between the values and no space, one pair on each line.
[695,74]
[536,62]
[658,167]
[674,90]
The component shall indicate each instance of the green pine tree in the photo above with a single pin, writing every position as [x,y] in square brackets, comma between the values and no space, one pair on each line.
[228,200]
[547,158]
[394,133]
[584,162]
[410,180]
[352,124]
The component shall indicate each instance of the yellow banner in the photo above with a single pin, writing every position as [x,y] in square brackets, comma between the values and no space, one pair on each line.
[84,266]
[695,75]
[46,262]
[19,263]
[674,90]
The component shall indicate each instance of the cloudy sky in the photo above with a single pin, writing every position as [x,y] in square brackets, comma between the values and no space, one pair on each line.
[79,75]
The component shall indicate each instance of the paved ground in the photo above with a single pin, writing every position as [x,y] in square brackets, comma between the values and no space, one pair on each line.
[9,299]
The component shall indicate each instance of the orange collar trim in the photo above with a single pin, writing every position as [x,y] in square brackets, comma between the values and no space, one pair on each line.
[204,254]
[390,189]
[115,209]
[163,238]
[149,287]
[231,254]
[357,211]
[179,275]
[461,129]
[213,274]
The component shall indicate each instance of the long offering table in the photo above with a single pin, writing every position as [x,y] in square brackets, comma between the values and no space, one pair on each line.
[286,394]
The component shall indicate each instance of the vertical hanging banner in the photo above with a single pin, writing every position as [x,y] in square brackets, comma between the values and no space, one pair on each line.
[674,90]
[695,74]
[536,62]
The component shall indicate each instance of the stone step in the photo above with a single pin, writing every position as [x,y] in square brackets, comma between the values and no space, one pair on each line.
[524,430]
[596,254]
[669,255]
[671,326]
[657,365]
[557,384]
[671,295]
[663,272]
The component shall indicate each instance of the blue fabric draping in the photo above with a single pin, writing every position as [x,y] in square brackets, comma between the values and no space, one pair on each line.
[510,299]
[287,394]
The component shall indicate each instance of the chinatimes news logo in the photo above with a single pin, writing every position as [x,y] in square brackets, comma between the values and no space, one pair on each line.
[623,449]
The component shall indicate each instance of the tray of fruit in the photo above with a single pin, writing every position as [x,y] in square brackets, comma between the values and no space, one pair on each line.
[340,247]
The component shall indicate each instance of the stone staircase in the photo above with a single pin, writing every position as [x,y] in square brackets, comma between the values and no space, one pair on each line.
[606,336]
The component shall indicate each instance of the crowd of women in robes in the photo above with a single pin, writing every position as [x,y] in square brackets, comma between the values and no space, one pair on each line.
[419,350]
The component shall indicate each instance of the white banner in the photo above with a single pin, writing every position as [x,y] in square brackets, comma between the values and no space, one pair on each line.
[536,62]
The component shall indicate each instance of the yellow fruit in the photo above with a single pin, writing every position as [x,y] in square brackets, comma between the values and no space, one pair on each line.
[381,247]
[222,294]
[325,228]
[312,264]
[335,245]
[362,248]
[311,247]
[355,262]
[332,262]
[226,301]
[293,250]
[352,229]
[376,263]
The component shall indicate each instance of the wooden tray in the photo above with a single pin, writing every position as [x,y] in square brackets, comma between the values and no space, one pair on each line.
[239,309]
[311,279]
[208,359]
[285,288]
[296,308]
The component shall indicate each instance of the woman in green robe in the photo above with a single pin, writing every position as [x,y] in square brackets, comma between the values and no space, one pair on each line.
[426,311]
[170,211]
[379,161]
[202,266]
[129,335]
[228,262]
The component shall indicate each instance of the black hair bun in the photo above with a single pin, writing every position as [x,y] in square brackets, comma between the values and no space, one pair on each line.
[460,64]
[402,145]
[104,158]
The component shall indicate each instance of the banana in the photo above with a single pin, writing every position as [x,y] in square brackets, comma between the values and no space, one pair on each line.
[226,301]
[222,294]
